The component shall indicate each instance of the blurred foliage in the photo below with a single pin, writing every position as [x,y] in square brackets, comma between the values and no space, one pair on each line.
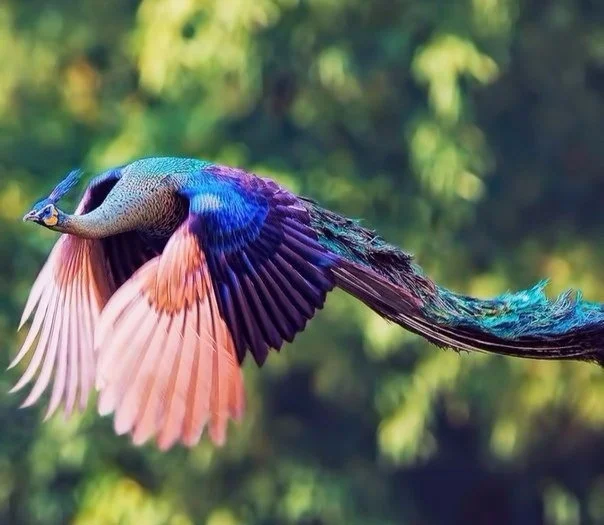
[469,132]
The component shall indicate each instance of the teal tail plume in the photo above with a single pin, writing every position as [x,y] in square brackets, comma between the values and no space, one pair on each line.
[522,324]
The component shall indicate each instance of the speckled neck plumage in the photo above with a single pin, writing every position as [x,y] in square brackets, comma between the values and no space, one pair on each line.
[140,201]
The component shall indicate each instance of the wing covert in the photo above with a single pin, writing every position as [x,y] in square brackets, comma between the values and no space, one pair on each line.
[269,272]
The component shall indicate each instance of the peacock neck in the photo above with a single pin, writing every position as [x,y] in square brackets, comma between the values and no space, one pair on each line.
[121,211]
[157,211]
[97,224]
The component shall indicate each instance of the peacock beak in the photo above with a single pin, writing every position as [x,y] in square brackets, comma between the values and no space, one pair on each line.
[30,216]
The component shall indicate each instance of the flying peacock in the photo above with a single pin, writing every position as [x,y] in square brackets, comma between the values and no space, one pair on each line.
[172,269]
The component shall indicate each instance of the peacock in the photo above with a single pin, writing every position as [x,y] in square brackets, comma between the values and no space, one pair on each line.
[172,269]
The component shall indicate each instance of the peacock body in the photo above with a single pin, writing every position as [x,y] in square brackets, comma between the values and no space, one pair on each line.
[171,270]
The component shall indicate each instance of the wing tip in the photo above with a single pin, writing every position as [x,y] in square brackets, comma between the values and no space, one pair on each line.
[65,290]
[14,363]
[20,384]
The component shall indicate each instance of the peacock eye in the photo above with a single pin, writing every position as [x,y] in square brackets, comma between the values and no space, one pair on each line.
[49,216]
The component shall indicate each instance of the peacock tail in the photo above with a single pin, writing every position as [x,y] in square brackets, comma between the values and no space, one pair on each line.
[523,324]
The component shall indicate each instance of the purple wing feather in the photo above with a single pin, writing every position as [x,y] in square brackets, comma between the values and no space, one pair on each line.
[269,272]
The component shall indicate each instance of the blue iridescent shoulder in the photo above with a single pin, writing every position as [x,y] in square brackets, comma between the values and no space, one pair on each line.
[267,267]
[225,211]
[230,186]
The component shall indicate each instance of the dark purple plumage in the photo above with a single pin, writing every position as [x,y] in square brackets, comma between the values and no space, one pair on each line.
[269,271]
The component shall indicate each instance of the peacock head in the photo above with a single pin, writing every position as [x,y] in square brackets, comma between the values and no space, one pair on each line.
[45,211]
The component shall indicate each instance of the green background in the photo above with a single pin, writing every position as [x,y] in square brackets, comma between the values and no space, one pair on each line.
[469,132]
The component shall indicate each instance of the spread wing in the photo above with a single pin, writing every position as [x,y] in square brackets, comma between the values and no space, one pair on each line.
[67,297]
[243,272]
[269,272]
[167,364]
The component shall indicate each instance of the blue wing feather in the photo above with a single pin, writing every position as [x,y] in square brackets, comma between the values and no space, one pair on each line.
[269,271]
[226,215]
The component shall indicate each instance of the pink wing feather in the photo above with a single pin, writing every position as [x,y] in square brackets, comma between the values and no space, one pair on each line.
[167,364]
[67,297]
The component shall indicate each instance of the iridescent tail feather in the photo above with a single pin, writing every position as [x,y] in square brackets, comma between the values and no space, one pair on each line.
[521,324]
